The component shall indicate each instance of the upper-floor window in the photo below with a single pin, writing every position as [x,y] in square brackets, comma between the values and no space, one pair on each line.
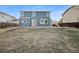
[22,13]
[33,14]
[48,14]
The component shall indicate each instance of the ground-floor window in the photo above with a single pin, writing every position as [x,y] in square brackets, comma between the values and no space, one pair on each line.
[43,21]
[25,19]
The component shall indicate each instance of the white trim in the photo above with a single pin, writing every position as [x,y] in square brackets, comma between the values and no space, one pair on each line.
[22,13]
[44,21]
[47,14]
[34,22]
[33,14]
[24,18]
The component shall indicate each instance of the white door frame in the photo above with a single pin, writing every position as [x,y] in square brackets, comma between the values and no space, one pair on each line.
[34,22]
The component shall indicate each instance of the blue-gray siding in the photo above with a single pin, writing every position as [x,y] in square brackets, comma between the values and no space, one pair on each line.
[39,15]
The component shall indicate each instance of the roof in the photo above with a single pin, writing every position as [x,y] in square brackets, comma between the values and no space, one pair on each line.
[34,11]
[69,9]
[7,14]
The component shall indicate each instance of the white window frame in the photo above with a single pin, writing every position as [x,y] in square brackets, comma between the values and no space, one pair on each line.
[47,14]
[23,21]
[33,14]
[44,21]
[22,13]
[25,18]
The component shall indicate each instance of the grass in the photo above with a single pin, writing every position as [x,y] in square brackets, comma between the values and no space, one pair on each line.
[40,40]
[2,30]
[74,38]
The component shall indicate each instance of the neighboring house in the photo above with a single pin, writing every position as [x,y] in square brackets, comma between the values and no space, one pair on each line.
[35,19]
[14,21]
[7,20]
[70,17]
[4,17]
[55,23]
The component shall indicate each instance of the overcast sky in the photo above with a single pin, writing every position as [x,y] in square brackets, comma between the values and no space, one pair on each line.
[56,10]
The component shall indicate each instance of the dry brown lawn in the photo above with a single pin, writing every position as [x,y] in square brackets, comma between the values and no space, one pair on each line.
[41,40]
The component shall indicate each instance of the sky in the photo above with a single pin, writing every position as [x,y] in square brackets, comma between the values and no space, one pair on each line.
[56,10]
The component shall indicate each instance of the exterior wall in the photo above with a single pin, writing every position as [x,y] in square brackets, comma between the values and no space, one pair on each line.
[42,15]
[16,22]
[37,17]
[25,24]
[25,15]
[71,15]
[5,18]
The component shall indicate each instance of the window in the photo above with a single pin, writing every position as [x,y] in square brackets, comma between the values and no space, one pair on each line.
[22,13]
[24,20]
[33,14]
[43,21]
[47,14]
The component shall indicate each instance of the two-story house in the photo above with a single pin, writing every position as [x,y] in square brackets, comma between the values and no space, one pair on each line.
[35,19]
